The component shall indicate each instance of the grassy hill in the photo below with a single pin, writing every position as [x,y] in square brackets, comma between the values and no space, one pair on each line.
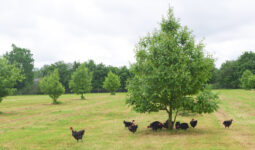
[32,122]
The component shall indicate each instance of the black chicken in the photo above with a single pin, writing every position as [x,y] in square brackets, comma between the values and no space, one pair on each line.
[166,124]
[133,128]
[156,125]
[193,123]
[227,123]
[127,124]
[177,125]
[77,134]
[183,126]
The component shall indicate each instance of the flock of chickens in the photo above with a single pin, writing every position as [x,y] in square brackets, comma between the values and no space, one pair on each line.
[132,127]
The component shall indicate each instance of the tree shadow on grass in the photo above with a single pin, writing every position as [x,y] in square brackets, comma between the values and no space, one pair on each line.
[188,132]
[57,103]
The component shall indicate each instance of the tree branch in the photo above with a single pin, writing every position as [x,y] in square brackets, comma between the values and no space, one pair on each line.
[166,110]
[176,115]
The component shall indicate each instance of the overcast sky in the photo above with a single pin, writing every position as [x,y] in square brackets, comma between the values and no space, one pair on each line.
[107,30]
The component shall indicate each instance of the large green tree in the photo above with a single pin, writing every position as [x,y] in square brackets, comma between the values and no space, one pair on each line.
[112,83]
[50,85]
[9,76]
[81,81]
[170,72]
[23,59]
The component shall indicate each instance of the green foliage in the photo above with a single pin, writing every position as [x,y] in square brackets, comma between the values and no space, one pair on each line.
[245,79]
[23,59]
[124,75]
[230,73]
[246,62]
[170,68]
[99,73]
[64,69]
[81,81]
[9,76]
[251,82]
[206,101]
[50,85]
[112,82]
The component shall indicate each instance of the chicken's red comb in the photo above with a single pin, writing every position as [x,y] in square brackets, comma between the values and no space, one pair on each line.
[71,128]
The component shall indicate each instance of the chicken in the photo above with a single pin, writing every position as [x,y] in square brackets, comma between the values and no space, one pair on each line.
[133,128]
[183,126]
[177,125]
[193,123]
[227,123]
[155,125]
[77,134]
[166,124]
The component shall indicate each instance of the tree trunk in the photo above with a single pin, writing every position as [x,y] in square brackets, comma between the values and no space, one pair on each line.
[54,101]
[176,113]
[112,93]
[82,97]
[170,118]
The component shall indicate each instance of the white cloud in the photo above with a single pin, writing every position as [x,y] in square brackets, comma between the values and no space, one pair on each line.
[106,31]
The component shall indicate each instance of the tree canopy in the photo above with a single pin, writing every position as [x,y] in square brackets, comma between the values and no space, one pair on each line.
[230,73]
[170,69]
[245,79]
[23,59]
[112,83]
[50,85]
[81,81]
[9,76]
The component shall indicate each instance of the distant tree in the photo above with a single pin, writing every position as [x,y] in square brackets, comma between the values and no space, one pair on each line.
[50,85]
[75,66]
[245,79]
[112,82]
[170,73]
[23,59]
[81,81]
[9,76]
[99,75]
[251,82]
[65,70]
[214,80]
[228,76]
[246,62]
[91,65]
[124,75]
[231,71]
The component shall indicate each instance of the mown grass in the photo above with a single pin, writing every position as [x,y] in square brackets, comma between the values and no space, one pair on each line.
[32,122]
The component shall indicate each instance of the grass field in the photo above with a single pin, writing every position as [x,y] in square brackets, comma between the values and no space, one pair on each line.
[32,122]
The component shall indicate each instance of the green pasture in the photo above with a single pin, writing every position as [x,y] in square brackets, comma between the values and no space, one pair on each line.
[32,122]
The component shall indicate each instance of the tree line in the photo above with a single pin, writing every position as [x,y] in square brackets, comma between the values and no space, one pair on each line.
[23,59]
[229,75]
